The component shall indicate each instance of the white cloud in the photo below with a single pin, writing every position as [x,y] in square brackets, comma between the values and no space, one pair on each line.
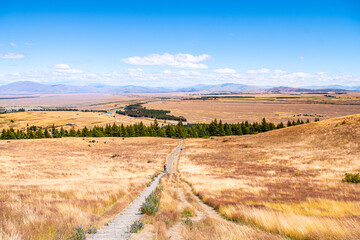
[180,60]
[63,73]
[279,71]
[259,71]
[12,44]
[28,44]
[134,70]
[302,57]
[224,70]
[11,56]
[65,69]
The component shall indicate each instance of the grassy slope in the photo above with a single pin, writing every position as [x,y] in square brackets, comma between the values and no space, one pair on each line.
[286,181]
[50,184]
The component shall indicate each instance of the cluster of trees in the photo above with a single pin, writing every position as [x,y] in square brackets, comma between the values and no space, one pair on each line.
[137,110]
[215,128]
[298,122]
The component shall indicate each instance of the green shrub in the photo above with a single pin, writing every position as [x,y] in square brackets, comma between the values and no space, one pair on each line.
[246,146]
[91,229]
[151,204]
[78,233]
[297,174]
[136,227]
[189,223]
[187,213]
[225,140]
[352,178]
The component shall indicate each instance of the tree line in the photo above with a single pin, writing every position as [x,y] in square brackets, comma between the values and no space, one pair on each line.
[137,110]
[215,128]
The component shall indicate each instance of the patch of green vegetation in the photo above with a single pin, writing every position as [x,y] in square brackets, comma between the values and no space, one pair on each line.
[136,227]
[352,178]
[189,223]
[78,233]
[187,213]
[137,110]
[91,229]
[151,204]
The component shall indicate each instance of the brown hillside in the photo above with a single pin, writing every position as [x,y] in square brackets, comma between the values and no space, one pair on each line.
[286,181]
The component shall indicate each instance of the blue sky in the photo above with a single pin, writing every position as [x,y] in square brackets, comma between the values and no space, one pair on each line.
[181,43]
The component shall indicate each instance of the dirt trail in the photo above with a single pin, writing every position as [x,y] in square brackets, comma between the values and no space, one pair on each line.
[118,228]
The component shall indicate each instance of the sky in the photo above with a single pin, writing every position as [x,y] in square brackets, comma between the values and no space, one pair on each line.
[181,43]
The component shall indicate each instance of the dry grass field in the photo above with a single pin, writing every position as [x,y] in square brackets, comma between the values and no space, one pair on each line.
[287,181]
[78,120]
[48,186]
[81,100]
[237,110]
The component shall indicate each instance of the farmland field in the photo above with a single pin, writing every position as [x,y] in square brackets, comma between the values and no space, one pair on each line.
[66,119]
[61,183]
[237,110]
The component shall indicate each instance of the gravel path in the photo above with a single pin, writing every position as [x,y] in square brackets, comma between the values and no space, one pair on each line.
[119,227]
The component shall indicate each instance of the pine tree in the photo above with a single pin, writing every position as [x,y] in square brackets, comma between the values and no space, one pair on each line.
[221,131]
[72,132]
[213,128]
[39,133]
[47,134]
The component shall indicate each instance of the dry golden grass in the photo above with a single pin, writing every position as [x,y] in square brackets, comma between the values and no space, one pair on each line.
[286,181]
[50,184]
[238,110]
[81,100]
[62,118]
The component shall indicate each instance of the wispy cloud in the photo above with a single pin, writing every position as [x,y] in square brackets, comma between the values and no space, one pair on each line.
[65,69]
[63,73]
[28,44]
[180,60]
[301,57]
[224,70]
[12,44]
[11,56]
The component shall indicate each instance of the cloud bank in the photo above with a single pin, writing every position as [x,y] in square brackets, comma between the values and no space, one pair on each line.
[180,60]
[11,56]
[64,73]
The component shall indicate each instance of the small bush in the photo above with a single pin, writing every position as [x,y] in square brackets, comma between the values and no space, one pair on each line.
[187,213]
[352,178]
[115,155]
[91,229]
[246,146]
[12,121]
[343,122]
[136,227]
[189,223]
[297,174]
[151,204]
[225,140]
[78,234]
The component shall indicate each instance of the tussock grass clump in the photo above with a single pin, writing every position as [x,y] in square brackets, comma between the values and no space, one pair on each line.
[136,227]
[151,204]
[352,178]
[78,234]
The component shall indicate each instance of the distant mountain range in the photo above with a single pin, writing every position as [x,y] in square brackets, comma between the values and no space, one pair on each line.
[28,87]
